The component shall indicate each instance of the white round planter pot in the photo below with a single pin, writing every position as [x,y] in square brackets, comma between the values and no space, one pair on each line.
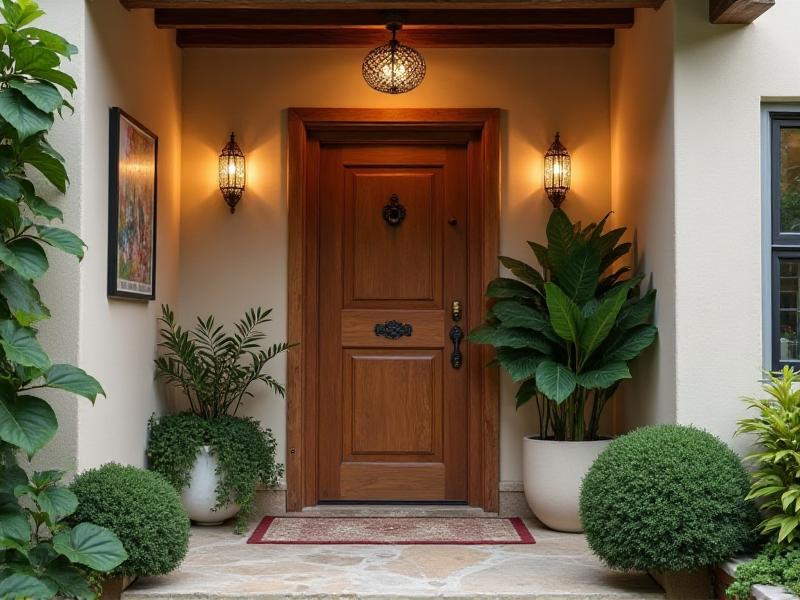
[200,496]
[552,476]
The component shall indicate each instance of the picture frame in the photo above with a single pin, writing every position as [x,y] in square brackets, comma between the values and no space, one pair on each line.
[132,208]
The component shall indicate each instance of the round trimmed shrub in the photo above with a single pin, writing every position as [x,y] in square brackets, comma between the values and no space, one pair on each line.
[667,498]
[142,509]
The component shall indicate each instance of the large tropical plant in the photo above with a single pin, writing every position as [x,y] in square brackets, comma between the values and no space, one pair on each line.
[40,555]
[566,332]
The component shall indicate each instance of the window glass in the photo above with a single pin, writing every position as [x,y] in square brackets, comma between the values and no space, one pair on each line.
[788,309]
[790,179]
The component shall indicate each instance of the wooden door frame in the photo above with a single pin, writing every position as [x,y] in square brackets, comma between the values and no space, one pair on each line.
[307,128]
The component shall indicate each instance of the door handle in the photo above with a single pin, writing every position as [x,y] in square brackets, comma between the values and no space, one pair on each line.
[456,335]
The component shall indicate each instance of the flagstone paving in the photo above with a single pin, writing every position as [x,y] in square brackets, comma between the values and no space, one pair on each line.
[221,565]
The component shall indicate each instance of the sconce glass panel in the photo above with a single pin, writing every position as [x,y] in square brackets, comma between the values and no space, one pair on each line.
[557,172]
[232,173]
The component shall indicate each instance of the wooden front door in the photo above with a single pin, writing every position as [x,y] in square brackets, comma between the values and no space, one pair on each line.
[393,401]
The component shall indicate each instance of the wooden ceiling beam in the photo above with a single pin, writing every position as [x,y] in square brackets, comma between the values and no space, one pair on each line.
[451,19]
[737,12]
[419,38]
[391,4]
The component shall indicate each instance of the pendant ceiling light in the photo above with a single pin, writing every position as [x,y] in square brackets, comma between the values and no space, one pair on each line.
[393,68]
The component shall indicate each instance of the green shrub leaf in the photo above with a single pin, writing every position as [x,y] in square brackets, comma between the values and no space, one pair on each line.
[556,381]
[90,545]
[62,239]
[22,298]
[26,257]
[75,380]
[26,422]
[20,346]
[22,114]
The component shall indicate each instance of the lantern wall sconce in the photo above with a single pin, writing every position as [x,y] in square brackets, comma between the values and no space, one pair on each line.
[232,173]
[557,172]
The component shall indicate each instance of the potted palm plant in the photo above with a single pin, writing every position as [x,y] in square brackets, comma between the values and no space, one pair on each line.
[566,333]
[212,456]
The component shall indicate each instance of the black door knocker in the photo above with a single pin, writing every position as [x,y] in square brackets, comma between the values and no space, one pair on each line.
[394,213]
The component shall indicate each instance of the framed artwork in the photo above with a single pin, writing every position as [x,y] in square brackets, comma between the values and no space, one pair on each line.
[132,204]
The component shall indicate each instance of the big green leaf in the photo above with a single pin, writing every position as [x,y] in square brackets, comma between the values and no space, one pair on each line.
[69,579]
[26,257]
[23,116]
[55,76]
[10,188]
[615,254]
[26,422]
[14,524]
[49,40]
[21,346]
[605,376]
[57,501]
[22,298]
[23,587]
[632,344]
[48,165]
[520,363]
[73,379]
[91,545]
[511,337]
[42,94]
[514,314]
[523,271]
[556,381]
[560,239]
[599,324]
[9,214]
[637,311]
[541,254]
[565,316]
[35,58]
[62,239]
[578,276]
[503,287]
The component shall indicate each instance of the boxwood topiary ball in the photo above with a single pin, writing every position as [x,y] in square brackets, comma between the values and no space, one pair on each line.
[142,509]
[667,498]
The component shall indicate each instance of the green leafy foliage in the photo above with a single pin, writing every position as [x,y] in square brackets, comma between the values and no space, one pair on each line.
[775,564]
[215,369]
[567,330]
[245,453]
[142,509]
[776,478]
[667,498]
[40,556]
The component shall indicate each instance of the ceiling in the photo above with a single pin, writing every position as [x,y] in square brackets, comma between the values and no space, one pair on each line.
[442,23]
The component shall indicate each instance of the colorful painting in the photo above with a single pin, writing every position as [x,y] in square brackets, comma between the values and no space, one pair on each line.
[132,209]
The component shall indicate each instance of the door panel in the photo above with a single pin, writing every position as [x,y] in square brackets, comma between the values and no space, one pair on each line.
[392,407]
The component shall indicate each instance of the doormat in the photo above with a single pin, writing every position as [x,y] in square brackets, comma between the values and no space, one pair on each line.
[391,530]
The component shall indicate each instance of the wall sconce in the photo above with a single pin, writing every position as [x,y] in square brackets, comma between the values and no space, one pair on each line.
[232,173]
[557,172]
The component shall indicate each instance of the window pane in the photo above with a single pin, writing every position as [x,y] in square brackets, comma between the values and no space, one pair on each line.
[788,311]
[790,179]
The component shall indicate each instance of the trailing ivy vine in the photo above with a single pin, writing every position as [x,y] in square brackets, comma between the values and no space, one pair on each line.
[40,556]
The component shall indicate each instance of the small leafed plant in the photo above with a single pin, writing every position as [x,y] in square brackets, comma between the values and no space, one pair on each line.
[568,331]
[40,555]
[215,369]
[776,480]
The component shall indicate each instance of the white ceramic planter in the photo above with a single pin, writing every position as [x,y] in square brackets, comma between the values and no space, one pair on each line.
[200,496]
[552,476]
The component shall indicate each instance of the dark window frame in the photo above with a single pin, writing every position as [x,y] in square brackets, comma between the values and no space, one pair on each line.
[783,245]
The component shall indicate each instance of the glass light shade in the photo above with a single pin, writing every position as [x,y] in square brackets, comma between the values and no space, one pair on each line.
[393,68]
[232,173]
[557,172]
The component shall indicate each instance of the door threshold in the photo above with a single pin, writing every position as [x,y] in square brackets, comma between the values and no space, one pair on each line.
[393,510]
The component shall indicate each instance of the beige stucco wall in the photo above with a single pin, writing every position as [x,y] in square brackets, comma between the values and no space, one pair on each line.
[128,63]
[231,262]
[722,76]
[642,175]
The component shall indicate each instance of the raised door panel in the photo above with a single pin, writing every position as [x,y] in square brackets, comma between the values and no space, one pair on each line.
[386,263]
[392,405]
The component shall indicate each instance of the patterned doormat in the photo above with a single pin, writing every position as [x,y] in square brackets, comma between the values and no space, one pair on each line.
[391,530]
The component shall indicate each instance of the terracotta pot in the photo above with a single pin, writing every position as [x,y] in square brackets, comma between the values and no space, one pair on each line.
[200,496]
[552,475]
